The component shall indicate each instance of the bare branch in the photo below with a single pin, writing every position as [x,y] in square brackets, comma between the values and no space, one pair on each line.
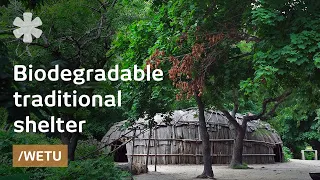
[28,51]
[102,5]
[113,3]
[231,119]
[241,56]
[94,9]
[44,38]
[244,122]
[97,36]
[236,103]
[275,106]
[6,33]
[264,114]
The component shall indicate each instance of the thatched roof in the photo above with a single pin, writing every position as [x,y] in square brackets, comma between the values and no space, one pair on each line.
[190,117]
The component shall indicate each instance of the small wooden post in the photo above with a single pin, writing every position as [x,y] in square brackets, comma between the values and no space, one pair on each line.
[302,155]
[132,150]
[148,148]
[156,148]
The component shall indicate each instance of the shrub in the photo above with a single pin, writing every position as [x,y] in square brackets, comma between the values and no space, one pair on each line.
[87,149]
[9,138]
[287,153]
[99,168]
[102,168]
[309,155]
[241,166]
[3,117]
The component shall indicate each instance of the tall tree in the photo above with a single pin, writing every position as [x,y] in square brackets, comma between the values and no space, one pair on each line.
[75,35]
[194,40]
[289,43]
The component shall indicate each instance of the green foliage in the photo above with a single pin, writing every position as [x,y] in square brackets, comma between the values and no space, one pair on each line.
[7,139]
[241,166]
[3,117]
[67,25]
[87,149]
[309,155]
[266,16]
[289,47]
[287,153]
[261,133]
[99,168]
[134,45]
[245,47]
[76,34]
[298,124]
[270,46]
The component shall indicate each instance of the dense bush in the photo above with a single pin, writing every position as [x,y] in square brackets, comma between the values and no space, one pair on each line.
[98,168]
[3,116]
[309,155]
[87,149]
[287,153]
[7,139]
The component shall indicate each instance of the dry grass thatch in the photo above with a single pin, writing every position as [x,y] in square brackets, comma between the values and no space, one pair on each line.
[179,142]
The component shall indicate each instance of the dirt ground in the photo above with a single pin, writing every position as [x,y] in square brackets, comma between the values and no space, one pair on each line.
[293,170]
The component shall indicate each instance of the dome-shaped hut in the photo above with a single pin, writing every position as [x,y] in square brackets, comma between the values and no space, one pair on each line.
[179,142]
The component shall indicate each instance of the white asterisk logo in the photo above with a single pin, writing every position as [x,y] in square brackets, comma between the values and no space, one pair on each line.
[27,27]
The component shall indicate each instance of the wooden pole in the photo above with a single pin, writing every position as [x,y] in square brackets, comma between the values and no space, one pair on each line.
[123,144]
[148,148]
[156,148]
[132,150]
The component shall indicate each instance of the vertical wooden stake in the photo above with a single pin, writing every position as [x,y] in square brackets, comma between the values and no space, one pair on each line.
[156,148]
[302,155]
[132,150]
[148,149]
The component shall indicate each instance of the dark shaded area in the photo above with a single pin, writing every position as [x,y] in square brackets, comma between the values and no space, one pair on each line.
[4,2]
[120,155]
[278,153]
[315,176]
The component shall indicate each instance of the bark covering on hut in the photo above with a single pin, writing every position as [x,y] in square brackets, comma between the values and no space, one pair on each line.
[179,141]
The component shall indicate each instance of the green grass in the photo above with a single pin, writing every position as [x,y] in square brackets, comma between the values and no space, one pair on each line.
[241,166]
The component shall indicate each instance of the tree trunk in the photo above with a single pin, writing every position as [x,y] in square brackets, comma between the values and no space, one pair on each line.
[72,146]
[148,149]
[206,150]
[65,138]
[238,146]
[70,139]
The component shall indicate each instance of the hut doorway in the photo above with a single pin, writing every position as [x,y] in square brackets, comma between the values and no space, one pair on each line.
[120,155]
[278,153]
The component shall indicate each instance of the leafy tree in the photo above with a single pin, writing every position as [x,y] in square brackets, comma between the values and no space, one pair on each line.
[289,43]
[203,53]
[75,36]
[219,72]
[298,124]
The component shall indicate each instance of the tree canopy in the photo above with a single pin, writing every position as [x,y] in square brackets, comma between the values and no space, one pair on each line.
[258,58]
